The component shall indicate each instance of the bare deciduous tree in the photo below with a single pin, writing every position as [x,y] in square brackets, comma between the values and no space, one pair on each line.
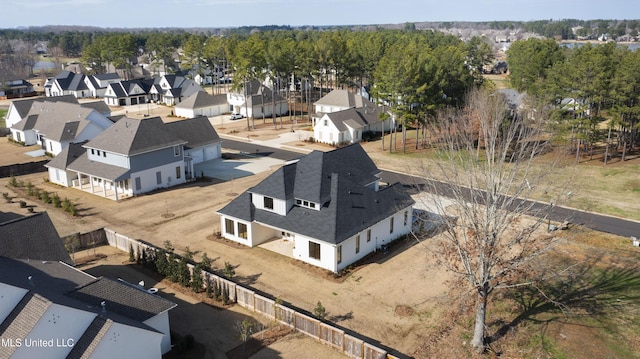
[487,155]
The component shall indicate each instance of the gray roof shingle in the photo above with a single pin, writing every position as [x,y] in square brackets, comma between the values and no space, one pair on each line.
[201,99]
[339,180]
[32,237]
[344,98]
[130,137]
[197,131]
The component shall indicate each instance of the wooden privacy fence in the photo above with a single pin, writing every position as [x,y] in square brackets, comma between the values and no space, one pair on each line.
[249,299]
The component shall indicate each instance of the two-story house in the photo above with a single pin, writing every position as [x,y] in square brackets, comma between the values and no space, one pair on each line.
[172,89]
[136,156]
[256,100]
[342,117]
[67,83]
[125,93]
[97,84]
[328,206]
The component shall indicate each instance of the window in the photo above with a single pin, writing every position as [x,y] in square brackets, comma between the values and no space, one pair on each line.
[176,151]
[298,201]
[368,235]
[18,136]
[158,177]
[406,217]
[325,122]
[98,152]
[312,205]
[339,254]
[178,172]
[104,154]
[242,230]
[268,202]
[138,184]
[92,151]
[228,226]
[314,250]
[357,244]
[391,225]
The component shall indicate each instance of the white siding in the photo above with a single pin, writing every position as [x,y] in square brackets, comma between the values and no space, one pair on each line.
[122,341]
[63,325]
[11,296]
[213,152]
[111,158]
[161,323]
[61,177]
[279,206]
[148,177]
[327,253]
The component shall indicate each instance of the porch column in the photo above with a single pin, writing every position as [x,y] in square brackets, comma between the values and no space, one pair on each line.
[91,183]
[115,188]
[104,188]
[79,180]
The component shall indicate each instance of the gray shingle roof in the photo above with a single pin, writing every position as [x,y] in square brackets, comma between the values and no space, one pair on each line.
[24,106]
[83,165]
[26,123]
[196,131]
[344,98]
[69,154]
[99,106]
[355,117]
[71,81]
[60,121]
[123,299]
[202,99]
[32,237]
[131,137]
[338,181]
[22,319]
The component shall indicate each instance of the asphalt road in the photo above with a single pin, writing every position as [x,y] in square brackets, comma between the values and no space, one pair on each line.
[598,222]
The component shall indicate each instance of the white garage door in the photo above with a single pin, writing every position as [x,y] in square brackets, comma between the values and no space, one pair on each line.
[211,152]
[196,155]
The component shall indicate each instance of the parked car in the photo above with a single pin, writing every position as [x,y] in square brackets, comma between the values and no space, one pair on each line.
[236,116]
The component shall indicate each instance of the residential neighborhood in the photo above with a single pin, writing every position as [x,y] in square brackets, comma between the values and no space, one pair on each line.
[319,192]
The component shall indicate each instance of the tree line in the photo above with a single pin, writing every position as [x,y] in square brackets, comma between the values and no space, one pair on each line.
[594,91]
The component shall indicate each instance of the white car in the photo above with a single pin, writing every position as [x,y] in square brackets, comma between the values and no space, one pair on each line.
[236,116]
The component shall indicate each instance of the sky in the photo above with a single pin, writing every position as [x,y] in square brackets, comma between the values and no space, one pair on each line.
[235,13]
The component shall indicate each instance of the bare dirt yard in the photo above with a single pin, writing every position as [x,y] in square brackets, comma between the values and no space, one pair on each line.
[400,300]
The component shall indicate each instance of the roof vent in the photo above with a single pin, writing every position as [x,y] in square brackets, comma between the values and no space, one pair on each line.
[103,304]
[30,278]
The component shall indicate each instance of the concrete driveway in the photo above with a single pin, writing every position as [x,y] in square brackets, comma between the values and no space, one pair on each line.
[242,166]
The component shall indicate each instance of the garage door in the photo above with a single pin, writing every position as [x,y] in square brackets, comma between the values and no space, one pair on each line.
[196,155]
[211,152]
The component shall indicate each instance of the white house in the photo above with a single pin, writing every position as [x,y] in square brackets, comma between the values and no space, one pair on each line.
[338,100]
[97,84]
[259,101]
[136,156]
[53,125]
[67,83]
[172,89]
[329,206]
[125,93]
[78,315]
[347,126]
[202,104]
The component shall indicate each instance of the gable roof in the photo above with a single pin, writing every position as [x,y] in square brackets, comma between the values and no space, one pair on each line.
[124,88]
[202,99]
[67,156]
[70,81]
[24,106]
[355,117]
[339,181]
[46,283]
[122,298]
[60,121]
[343,98]
[196,131]
[131,137]
[99,106]
[32,237]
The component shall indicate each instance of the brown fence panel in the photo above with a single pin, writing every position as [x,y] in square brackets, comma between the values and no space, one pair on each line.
[307,325]
[285,315]
[245,297]
[265,306]
[332,336]
[353,347]
[373,352]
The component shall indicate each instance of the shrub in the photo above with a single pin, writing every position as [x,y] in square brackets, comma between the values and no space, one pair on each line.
[23,204]
[30,209]
[184,274]
[55,200]
[29,189]
[44,196]
[13,182]
[320,311]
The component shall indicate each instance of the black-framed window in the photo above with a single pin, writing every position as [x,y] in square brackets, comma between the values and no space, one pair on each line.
[228,226]
[357,244]
[391,225]
[314,250]
[339,254]
[268,202]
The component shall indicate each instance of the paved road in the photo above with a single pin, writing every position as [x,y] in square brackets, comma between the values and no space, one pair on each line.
[602,223]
